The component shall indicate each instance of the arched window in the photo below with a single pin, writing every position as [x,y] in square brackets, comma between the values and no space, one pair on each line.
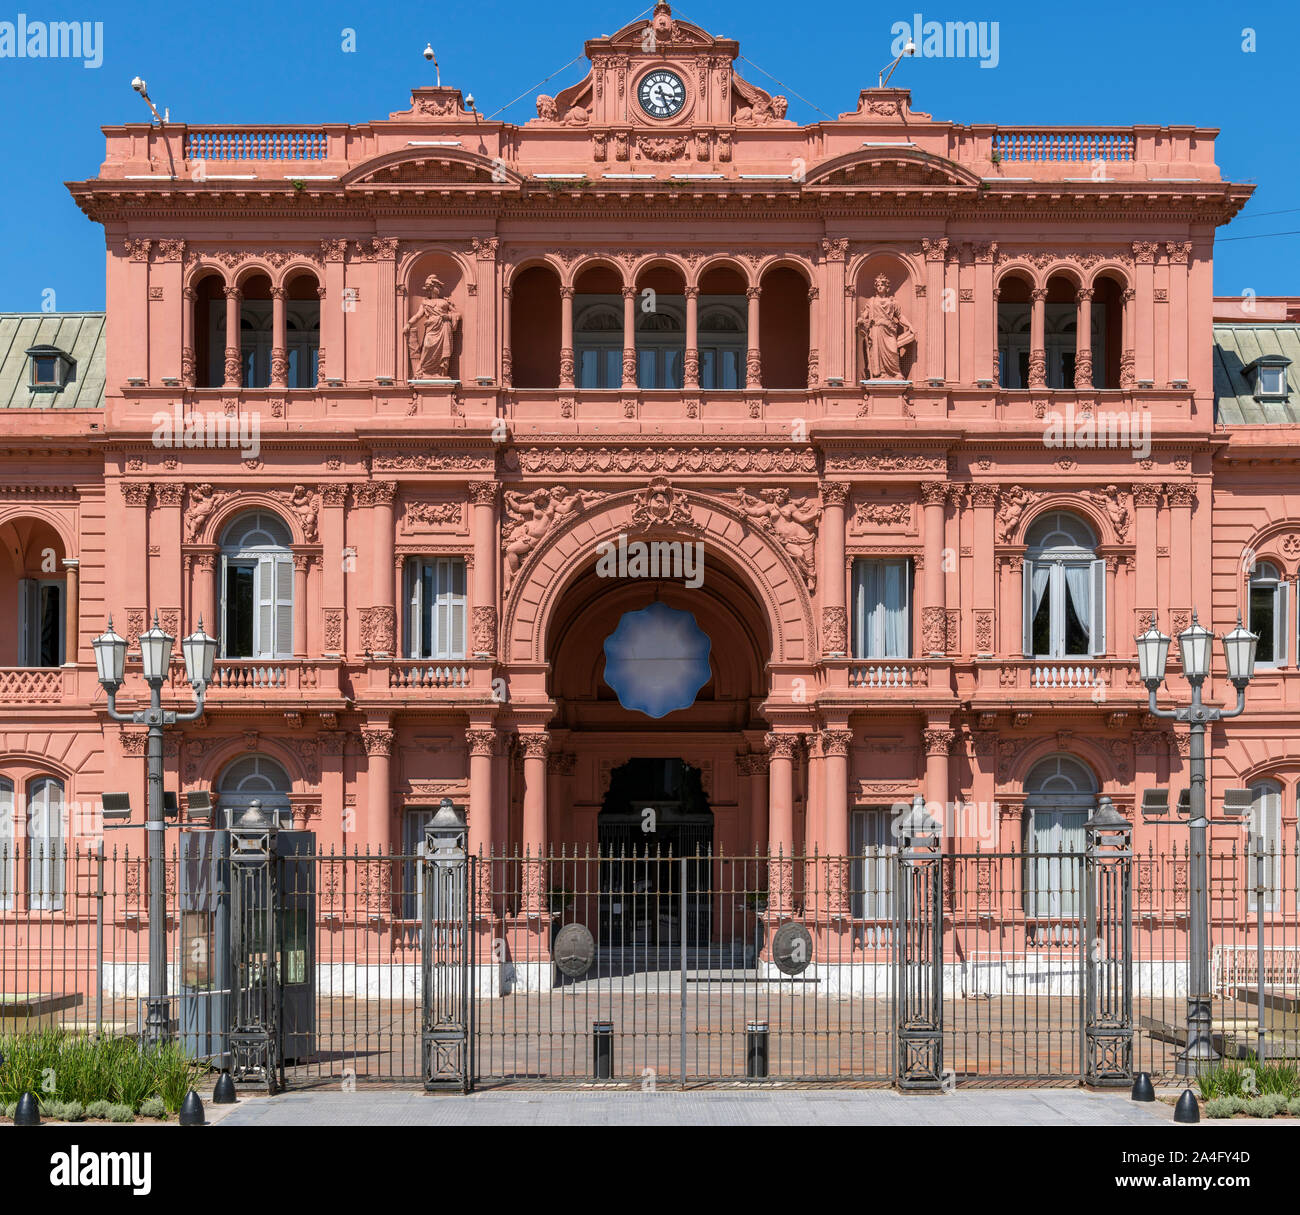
[45,840]
[1064,590]
[1264,828]
[598,343]
[255,778]
[1267,614]
[7,844]
[1060,795]
[257,588]
[723,338]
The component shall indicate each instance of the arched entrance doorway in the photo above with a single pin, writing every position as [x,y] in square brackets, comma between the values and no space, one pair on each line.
[656,839]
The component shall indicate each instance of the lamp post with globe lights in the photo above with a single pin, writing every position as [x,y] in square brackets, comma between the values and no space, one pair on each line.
[1195,644]
[200,651]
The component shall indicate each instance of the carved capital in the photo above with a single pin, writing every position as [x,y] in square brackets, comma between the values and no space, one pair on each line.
[939,741]
[836,742]
[484,493]
[835,493]
[377,741]
[481,742]
[535,745]
[780,746]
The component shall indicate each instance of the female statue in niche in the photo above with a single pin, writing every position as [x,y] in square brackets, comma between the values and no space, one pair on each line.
[883,334]
[431,333]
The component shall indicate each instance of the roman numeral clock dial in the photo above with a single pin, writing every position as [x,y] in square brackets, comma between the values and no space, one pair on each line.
[662,94]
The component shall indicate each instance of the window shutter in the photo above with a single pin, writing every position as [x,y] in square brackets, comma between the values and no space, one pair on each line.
[1027,607]
[905,605]
[284,607]
[457,633]
[222,634]
[411,582]
[1281,628]
[264,638]
[29,622]
[1099,607]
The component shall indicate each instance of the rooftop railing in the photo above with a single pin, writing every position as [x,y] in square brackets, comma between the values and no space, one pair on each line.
[1052,144]
[281,143]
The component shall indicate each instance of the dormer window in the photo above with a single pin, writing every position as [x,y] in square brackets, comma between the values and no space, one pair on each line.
[51,368]
[1269,372]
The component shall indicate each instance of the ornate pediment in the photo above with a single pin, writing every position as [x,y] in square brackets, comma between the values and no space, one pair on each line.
[413,168]
[872,168]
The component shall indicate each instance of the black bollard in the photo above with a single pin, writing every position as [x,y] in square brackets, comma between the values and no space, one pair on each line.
[602,1049]
[28,1112]
[191,1110]
[1143,1089]
[1188,1108]
[223,1092]
[756,1050]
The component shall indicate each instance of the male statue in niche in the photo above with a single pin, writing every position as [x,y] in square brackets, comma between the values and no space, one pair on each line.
[431,333]
[883,334]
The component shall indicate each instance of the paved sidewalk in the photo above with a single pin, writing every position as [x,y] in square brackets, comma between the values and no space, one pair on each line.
[802,1107]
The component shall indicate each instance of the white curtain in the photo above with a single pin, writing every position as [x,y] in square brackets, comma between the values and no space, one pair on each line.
[881,626]
[1078,582]
[7,845]
[1056,843]
[873,849]
[1041,576]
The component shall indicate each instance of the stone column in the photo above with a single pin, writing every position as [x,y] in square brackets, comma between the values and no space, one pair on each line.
[1178,252]
[301,563]
[780,820]
[483,629]
[1083,340]
[1146,506]
[383,613]
[187,339]
[377,737]
[691,371]
[938,739]
[535,746]
[1128,359]
[1037,338]
[566,337]
[934,616]
[838,361]
[758,803]
[1181,496]
[835,614]
[279,343]
[1143,308]
[986,313]
[386,308]
[835,832]
[507,361]
[984,501]
[72,610]
[936,252]
[203,605]
[629,337]
[482,744]
[814,339]
[234,365]
[753,355]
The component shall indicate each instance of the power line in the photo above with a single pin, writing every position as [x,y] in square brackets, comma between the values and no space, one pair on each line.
[1260,235]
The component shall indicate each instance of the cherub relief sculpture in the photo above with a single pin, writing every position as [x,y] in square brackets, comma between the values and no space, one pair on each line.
[203,501]
[883,334]
[529,517]
[791,522]
[1015,501]
[1110,501]
[431,333]
[304,506]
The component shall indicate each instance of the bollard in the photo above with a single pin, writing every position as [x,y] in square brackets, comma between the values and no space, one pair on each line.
[1187,1109]
[1143,1089]
[223,1092]
[28,1112]
[602,1049]
[191,1110]
[756,1050]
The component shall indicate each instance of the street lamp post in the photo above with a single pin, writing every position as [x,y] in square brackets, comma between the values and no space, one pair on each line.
[155,661]
[1194,644]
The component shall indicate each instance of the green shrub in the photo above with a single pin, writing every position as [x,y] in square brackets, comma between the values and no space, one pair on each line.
[1222,1079]
[65,1111]
[1293,1107]
[1267,1106]
[153,1107]
[1278,1077]
[98,1109]
[1224,1107]
[121,1113]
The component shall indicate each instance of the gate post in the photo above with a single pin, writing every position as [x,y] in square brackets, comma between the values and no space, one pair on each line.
[918,945]
[444,949]
[1108,1024]
[255,934]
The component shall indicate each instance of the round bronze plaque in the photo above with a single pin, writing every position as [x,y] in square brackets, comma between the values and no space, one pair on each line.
[574,950]
[792,949]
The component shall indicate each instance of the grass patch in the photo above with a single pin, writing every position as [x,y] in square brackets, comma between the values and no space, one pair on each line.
[1248,1078]
[96,1074]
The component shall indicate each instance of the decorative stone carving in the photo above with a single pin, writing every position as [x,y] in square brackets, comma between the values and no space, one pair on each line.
[379,630]
[483,630]
[377,741]
[934,630]
[984,631]
[870,515]
[744,459]
[1110,500]
[883,334]
[431,333]
[659,505]
[306,507]
[939,741]
[430,516]
[334,631]
[792,522]
[835,630]
[1015,501]
[203,501]
[780,746]
[529,517]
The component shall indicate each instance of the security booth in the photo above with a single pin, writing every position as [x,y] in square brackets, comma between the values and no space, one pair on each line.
[204,945]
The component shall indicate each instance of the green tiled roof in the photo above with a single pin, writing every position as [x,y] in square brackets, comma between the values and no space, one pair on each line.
[1235,348]
[78,334]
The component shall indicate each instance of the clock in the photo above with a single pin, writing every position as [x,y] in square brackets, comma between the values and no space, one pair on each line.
[661,93]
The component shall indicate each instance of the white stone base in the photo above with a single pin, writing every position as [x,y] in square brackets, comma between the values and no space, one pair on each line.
[524,977]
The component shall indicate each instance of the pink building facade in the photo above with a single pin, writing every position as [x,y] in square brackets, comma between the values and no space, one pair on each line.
[844,360]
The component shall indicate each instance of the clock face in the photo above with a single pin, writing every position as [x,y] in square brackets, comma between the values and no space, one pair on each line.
[662,94]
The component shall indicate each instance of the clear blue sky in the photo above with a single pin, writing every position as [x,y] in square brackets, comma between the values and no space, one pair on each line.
[1096,63]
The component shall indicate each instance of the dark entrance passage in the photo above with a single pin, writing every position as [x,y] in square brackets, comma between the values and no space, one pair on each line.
[654,816]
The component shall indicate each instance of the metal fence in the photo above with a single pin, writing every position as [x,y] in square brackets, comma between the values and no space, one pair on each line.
[640,969]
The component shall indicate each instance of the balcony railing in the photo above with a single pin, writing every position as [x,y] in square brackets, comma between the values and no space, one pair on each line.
[284,143]
[1041,144]
[896,674]
[236,676]
[427,675]
[1098,679]
[36,685]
